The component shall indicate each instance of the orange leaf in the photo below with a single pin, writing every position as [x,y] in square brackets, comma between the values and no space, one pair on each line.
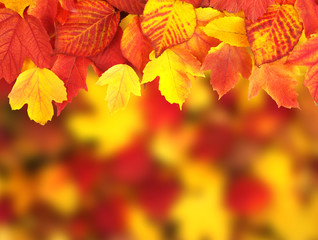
[275,34]
[199,44]
[67,4]
[130,6]
[167,23]
[277,80]
[135,46]
[227,63]
[307,55]
[308,12]
[89,30]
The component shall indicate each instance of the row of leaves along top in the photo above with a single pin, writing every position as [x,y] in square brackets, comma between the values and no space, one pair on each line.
[47,45]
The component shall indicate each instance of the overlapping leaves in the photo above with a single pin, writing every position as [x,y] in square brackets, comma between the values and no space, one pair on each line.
[230,39]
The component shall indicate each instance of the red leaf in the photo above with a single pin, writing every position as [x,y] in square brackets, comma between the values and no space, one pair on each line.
[37,42]
[73,72]
[253,9]
[89,30]
[130,6]
[12,53]
[231,63]
[46,11]
[110,56]
[135,46]
[308,12]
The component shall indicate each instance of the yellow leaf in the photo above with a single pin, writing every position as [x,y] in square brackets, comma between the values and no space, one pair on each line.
[168,23]
[176,69]
[17,5]
[230,30]
[37,88]
[121,80]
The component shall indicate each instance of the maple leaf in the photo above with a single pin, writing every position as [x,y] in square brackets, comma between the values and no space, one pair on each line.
[275,34]
[12,53]
[110,56]
[306,54]
[130,6]
[88,30]
[45,11]
[168,23]
[134,45]
[17,5]
[38,88]
[199,44]
[308,12]
[231,63]
[72,71]
[176,68]
[36,42]
[278,81]
[230,30]
[121,80]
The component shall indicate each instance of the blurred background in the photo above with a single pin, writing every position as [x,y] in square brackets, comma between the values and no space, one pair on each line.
[228,169]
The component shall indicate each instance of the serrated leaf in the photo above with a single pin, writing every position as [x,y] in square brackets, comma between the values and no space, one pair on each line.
[278,81]
[275,34]
[176,69]
[230,30]
[227,64]
[168,23]
[36,42]
[122,80]
[37,88]
[88,30]
[12,53]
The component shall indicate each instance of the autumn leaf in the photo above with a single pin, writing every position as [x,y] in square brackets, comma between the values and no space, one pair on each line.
[306,54]
[232,62]
[253,9]
[130,6]
[199,44]
[308,12]
[110,56]
[135,46]
[36,42]
[168,23]
[176,68]
[12,53]
[45,11]
[278,81]
[230,30]
[38,88]
[88,30]
[17,5]
[72,71]
[122,80]
[275,34]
